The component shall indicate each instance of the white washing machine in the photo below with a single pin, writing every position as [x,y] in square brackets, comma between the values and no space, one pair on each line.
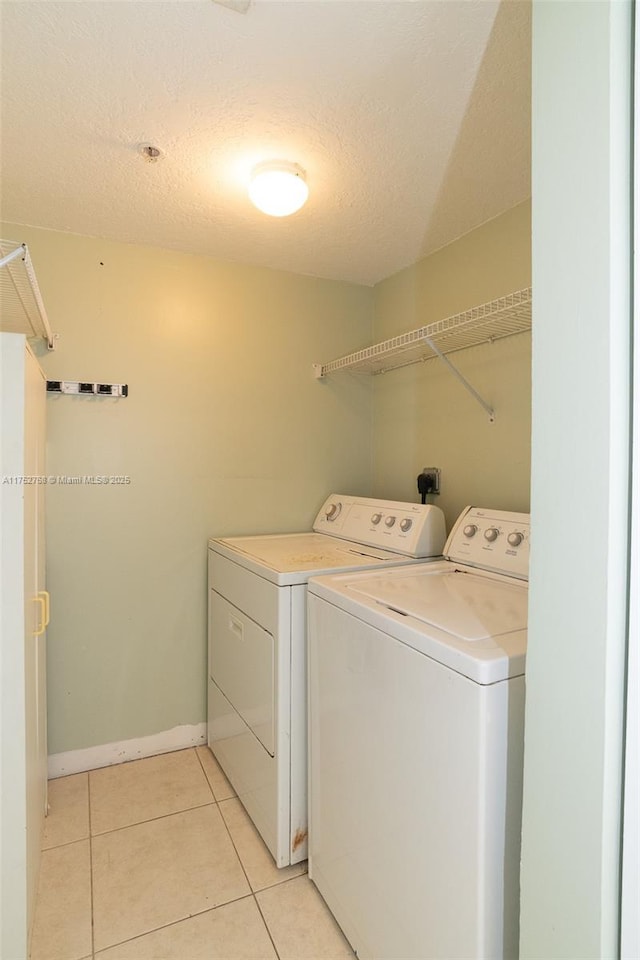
[416,711]
[257,679]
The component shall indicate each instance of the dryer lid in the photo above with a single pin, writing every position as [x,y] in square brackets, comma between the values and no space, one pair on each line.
[468,606]
[308,552]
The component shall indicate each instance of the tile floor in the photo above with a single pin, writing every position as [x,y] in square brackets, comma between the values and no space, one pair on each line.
[157,860]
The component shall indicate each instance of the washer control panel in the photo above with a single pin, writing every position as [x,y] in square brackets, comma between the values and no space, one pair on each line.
[413,529]
[496,540]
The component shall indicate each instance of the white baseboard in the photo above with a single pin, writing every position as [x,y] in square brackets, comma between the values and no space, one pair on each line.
[77,761]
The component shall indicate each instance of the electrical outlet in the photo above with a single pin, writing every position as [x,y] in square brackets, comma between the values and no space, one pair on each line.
[433,478]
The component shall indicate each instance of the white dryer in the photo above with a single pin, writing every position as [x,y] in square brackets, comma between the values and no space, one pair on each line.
[257,679]
[416,709]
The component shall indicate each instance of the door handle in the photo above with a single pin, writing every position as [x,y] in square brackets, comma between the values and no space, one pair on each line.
[236,627]
[47,605]
[43,618]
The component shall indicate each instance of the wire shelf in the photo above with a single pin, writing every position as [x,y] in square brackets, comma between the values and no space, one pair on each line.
[486,323]
[21,306]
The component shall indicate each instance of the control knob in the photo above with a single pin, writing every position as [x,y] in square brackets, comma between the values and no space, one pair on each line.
[406,524]
[470,530]
[390,521]
[376,518]
[515,539]
[491,534]
[333,511]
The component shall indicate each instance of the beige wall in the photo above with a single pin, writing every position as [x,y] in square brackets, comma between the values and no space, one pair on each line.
[422,415]
[225,431]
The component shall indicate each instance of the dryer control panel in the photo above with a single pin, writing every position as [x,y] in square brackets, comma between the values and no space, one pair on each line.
[414,529]
[496,540]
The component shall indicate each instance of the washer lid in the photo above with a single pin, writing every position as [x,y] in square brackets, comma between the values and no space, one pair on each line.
[465,605]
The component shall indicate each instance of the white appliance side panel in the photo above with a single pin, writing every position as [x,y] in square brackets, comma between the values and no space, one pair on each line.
[299,753]
[257,597]
[408,767]
[242,665]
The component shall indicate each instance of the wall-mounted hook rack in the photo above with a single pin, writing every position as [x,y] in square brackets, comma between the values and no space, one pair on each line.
[86,388]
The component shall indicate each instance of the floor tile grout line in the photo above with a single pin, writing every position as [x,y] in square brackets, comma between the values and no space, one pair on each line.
[161,816]
[264,920]
[236,851]
[281,883]
[125,826]
[253,892]
[173,923]
[65,843]
[217,799]
[171,813]
[213,793]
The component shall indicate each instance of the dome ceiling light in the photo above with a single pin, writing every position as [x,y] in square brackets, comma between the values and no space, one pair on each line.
[278,187]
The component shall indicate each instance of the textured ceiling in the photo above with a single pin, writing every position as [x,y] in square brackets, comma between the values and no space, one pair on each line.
[411,119]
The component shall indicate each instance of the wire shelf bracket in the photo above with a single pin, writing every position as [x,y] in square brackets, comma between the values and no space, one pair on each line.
[21,306]
[463,380]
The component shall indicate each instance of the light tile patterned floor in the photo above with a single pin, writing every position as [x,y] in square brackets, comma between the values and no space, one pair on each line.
[157,860]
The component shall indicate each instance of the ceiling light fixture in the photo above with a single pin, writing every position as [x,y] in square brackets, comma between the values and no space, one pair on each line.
[278,187]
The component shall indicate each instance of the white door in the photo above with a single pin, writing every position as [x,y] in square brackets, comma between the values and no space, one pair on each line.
[23,616]
[36,618]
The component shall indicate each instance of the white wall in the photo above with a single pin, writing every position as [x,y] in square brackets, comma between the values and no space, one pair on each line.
[630,879]
[575,658]
[225,431]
